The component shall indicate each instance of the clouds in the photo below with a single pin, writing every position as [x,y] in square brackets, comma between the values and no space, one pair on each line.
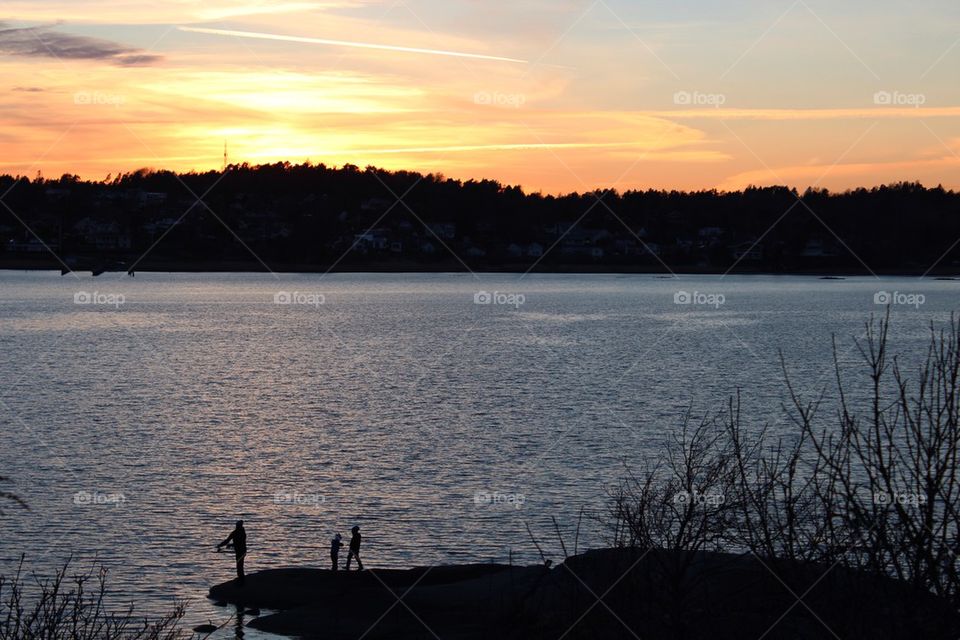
[165,12]
[348,43]
[45,42]
[794,98]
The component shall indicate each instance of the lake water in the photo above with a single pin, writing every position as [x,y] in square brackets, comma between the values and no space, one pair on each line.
[442,412]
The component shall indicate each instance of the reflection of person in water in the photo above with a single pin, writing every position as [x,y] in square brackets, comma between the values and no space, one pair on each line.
[238,628]
[238,540]
[335,545]
[354,549]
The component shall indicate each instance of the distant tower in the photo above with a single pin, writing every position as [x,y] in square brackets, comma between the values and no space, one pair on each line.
[224,155]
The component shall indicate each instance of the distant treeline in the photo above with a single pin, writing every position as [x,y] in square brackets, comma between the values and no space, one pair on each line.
[310,216]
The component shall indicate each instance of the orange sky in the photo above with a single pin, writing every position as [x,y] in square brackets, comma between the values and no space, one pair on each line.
[556,96]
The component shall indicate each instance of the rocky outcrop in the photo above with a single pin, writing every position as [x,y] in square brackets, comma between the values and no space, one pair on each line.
[615,593]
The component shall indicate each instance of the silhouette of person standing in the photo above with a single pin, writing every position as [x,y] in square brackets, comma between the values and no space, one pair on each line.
[335,545]
[354,549]
[237,539]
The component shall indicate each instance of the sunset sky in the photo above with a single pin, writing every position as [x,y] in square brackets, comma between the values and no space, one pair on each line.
[554,95]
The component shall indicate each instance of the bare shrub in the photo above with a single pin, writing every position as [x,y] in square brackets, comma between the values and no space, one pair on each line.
[872,487]
[73,607]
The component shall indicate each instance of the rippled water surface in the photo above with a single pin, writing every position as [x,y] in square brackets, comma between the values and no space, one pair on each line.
[393,401]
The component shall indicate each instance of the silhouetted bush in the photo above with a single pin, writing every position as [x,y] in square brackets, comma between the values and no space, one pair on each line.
[66,607]
[867,495]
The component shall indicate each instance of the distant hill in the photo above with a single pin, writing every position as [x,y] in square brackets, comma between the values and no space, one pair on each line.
[314,217]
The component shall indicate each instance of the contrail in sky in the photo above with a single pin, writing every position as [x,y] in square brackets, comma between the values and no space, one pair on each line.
[348,43]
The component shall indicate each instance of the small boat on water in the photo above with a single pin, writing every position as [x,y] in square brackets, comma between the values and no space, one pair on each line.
[73,264]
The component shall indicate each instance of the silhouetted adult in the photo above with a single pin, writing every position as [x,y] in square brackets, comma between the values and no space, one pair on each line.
[237,539]
[354,549]
[335,545]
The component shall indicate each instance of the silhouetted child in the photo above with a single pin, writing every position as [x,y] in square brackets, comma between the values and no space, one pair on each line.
[238,539]
[335,545]
[354,549]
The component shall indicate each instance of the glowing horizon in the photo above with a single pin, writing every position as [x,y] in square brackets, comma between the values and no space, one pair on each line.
[554,97]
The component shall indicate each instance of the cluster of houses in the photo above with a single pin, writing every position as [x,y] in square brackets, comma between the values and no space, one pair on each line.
[571,242]
[562,240]
[120,221]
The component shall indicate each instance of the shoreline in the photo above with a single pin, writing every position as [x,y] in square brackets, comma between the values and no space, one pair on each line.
[650,594]
[245,267]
